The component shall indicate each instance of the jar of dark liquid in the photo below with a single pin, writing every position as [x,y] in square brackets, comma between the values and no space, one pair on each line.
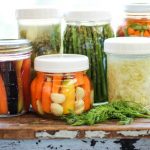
[14,77]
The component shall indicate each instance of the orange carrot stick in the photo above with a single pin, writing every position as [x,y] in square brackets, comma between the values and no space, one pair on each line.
[39,85]
[87,88]
[146,33]
[80,80]
[46,92]
[3,98]
[57,79]
[25,71]
[33,92]
[131,31]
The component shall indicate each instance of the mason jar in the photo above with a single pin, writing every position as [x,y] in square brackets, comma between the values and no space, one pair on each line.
[61,85]
[136,20]
[85,33]
[42,26]
[128,69]
[14,77]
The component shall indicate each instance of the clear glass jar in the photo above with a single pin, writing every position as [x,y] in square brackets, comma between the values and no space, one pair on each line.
[136,21]
[61,85]
[14,77]
[128,69]
[85,34]
[42,26]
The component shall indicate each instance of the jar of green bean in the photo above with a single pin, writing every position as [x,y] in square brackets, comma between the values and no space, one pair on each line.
[85,33]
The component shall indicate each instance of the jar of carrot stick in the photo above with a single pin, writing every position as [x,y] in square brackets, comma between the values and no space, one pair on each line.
[14,77]
[61,85]
[137,20]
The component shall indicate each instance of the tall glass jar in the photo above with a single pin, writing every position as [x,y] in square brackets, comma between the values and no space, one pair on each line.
[61,85]
[42,26]
[14,77]
[136,21]
[128,69]
[85,34]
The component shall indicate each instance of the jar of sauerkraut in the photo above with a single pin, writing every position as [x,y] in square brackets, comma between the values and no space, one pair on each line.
[128,69]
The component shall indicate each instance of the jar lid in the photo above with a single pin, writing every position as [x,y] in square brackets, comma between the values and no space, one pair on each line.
[61,63]
[15,46]
[127,45]
[137,8]
[38,13]
[86,16]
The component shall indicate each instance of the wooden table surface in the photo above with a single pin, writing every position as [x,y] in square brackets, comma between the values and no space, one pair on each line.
[31,126]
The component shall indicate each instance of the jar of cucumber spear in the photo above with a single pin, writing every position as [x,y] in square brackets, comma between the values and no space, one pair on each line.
[85,33]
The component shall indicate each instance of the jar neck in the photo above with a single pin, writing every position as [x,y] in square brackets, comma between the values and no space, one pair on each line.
[87,23]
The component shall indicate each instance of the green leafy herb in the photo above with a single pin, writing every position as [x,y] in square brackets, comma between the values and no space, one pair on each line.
[123,111]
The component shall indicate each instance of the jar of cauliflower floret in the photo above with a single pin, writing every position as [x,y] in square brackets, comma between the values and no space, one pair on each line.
[128,69]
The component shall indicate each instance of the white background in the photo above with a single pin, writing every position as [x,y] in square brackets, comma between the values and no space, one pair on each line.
[8,22]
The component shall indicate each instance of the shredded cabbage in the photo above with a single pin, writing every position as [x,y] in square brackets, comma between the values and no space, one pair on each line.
[129,79]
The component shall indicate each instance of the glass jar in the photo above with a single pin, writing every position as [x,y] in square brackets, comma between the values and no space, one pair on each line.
[61,85]
[14,77]
[85,34]
[128,69]
[136,21]
[42,26]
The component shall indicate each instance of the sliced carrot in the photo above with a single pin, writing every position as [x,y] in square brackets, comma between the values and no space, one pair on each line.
[80,80]
[25,71]
[46,92]
[33,92]
[131,31]
[3,98]
[137,33]
[87,88]
[57,79]
[39,85]
[146,33]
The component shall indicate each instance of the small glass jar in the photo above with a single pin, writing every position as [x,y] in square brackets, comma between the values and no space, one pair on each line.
[85,34]
[61,85]
[42,26]
[14,77]
[128,69]
[136,21]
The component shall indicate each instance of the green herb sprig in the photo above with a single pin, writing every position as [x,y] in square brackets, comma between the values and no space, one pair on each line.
[123,111]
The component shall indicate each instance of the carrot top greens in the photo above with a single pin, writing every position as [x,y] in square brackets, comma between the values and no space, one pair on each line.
[123,111]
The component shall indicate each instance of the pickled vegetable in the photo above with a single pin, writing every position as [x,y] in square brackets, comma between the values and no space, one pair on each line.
[135,27]
[88,40]
[15,76]
[45,39]
[129,79]
[60,94]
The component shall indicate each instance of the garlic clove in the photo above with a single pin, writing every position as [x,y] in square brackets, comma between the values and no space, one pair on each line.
[56,109]
[80,93]
[79,104]
[79,111]
[58,98]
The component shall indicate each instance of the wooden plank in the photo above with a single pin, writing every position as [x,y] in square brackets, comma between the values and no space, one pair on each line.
[31,126]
